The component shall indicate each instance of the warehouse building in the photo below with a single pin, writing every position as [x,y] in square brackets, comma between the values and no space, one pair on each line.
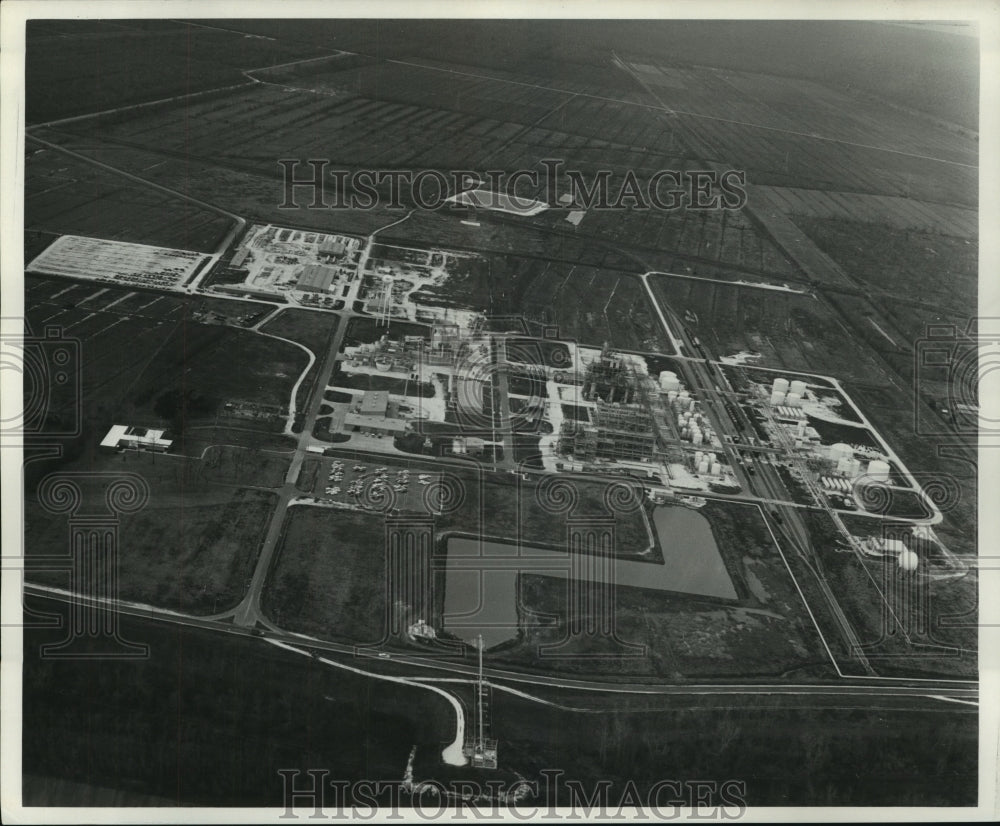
[316,278]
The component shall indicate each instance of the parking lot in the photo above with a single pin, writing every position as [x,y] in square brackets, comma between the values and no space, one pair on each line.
[374,485]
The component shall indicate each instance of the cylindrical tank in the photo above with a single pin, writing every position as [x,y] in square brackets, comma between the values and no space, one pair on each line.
[703,466]
[793,400]
[780,385]
[697,436]
[797,387]
[908,560]
[698,456]
[841,451]
[716,469]
[777,397]
[877,469]
[669,380]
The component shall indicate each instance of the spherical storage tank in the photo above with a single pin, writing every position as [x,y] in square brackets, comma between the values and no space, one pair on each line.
[908,560]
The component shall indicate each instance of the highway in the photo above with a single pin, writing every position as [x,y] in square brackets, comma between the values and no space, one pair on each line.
[248,612]
[830,692]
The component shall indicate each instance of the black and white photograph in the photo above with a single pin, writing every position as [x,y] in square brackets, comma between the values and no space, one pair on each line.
[499,413]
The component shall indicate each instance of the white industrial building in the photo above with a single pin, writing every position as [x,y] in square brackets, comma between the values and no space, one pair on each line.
[137,438]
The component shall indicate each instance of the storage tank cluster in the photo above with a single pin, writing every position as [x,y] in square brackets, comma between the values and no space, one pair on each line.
[707,463]
[789,395]
[694,427]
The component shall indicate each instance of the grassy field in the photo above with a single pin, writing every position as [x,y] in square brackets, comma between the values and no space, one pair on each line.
[789,330]
[169,725]
[191,548]
[585,304]
[329,579]
[141,351]
[311,328]
[766,631]
[907,624]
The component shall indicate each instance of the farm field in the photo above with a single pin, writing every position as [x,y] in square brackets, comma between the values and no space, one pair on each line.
[65,196]
[939,270]
[127,62]
[191,548]
[886,211]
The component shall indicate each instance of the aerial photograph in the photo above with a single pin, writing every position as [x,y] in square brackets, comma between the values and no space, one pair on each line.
[497,418]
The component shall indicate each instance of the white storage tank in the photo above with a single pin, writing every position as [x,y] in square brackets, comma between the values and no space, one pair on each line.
[780,385]
[878,470]
[793,400]
[798,387]
[777,397]
[841,451]
[697,436]
[716,469]
[703,467]
[908,560]
[669,380]
[698,456]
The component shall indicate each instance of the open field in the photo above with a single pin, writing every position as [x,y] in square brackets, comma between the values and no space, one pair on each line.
[313,329]
[66,196]
[329,579]
[765,631]
[907,624]
[237,689]
[788,330]
[146,358]
[585,304]
[165,725]
[191,548]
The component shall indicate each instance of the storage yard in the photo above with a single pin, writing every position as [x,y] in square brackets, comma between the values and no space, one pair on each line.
[118,263]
